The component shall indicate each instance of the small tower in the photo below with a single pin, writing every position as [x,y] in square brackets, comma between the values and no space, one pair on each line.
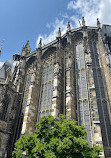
[98,24]
[59,33]
[83,22]
[68,27]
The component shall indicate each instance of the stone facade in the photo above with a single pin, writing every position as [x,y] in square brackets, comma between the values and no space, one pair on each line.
[71,76]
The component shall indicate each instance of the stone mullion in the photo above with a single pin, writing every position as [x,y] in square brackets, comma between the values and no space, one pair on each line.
[68,85]
[73,88]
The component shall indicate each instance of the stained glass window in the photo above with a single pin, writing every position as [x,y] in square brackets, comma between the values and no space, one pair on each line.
[100,95]
[82,92]
[47,87]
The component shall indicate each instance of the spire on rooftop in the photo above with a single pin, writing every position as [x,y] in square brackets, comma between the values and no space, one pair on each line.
[59,32]
[68,27]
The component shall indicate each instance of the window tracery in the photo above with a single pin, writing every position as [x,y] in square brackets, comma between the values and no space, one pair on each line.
[45,104]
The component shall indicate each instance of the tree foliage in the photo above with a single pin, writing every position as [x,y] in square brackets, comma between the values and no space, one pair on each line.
[55,139]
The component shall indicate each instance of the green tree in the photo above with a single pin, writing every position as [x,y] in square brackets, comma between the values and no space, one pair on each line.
[55,139]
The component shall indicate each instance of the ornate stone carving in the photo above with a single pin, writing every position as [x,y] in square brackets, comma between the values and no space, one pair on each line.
[88,59]
[56,68]
[98,24]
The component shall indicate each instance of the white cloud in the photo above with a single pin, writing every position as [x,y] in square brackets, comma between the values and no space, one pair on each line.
[48,26]
[65,16]
[52,36]
[90,9]
[76,20]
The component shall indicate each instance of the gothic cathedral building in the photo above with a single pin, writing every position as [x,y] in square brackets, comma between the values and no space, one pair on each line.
[70,75]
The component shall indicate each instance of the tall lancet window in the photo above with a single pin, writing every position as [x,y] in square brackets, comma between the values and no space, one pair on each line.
[82,92]
[45,104]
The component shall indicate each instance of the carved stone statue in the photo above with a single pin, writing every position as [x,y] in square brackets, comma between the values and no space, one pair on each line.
[68,27]
[83,21]
[59,32]
[98,24]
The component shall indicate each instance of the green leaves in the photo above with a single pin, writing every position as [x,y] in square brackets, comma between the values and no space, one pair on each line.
[55,139]
[25,143]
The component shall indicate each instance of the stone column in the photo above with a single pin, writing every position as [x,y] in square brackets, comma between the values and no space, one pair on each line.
[31,110]
[58,83]
[69,79]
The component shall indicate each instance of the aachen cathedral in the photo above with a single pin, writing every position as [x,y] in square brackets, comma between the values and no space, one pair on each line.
[70,75]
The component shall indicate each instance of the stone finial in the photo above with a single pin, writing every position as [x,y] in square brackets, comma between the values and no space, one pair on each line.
[59,32]
[27,43]
[68,27]
[23,47]
[27,47]
[40,43]
[98,24]
[83,21]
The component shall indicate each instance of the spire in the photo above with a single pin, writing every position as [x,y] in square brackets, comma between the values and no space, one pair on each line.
[27,44]
[27,47]
[98,24]
[68,27]
[83,21]
[40,43]
[59,32]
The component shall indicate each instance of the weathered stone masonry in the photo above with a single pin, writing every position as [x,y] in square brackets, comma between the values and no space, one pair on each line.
[71,76]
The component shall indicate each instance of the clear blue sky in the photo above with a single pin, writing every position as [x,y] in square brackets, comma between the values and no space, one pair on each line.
[22,20]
